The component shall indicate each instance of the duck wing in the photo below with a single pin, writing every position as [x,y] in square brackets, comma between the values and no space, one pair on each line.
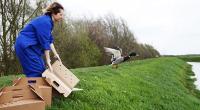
[114,52]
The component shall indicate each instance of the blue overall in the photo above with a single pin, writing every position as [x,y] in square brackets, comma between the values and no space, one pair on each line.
[31,43]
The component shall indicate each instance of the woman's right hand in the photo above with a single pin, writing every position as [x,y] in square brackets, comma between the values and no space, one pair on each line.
[48,60]
[50,69]
[49,65]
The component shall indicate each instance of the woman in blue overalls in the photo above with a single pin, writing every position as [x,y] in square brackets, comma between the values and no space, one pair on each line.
[36,40]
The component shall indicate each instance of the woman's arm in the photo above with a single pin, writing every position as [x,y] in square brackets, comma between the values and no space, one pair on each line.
[55,52]
[48,61]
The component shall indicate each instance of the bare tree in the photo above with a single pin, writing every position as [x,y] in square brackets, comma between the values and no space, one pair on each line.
[13,14]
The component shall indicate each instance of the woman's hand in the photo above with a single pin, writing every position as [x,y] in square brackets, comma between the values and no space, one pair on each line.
[50,69]
[48,61]
[49,65]
[57,57]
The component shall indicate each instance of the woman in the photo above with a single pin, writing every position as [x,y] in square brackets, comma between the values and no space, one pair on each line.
[36,40]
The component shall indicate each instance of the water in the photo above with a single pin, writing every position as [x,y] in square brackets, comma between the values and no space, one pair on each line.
[196,70]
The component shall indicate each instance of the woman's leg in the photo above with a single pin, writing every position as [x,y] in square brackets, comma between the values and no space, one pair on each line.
[32,63]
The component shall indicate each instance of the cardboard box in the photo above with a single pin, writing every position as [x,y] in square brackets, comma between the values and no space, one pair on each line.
[41,83]
[21,98]
[62,79]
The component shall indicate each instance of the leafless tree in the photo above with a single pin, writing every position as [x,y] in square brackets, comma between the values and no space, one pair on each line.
[14,14]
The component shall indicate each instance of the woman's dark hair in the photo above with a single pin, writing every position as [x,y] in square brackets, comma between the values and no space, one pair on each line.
[53,8]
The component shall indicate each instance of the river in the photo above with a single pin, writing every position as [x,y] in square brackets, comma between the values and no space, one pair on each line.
[196,70]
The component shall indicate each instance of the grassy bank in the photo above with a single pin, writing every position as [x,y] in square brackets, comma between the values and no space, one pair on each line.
[190,58]
[153,84]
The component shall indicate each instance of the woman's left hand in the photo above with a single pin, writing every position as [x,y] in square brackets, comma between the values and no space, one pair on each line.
[57,57]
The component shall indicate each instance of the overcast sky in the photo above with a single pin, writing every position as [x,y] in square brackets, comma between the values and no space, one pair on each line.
[170,26]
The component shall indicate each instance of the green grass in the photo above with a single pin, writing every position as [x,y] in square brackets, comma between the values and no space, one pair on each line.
[153,84]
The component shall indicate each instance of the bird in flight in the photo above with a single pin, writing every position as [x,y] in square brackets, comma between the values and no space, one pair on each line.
[116,56]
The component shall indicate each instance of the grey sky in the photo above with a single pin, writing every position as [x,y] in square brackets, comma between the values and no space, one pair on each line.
[171,26]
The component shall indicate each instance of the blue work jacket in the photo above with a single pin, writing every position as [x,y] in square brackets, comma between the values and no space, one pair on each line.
[37,33]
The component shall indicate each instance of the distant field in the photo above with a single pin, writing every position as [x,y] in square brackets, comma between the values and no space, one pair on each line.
[153,84]
[190,58]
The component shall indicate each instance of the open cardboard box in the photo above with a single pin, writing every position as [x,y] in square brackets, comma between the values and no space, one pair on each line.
[39,82]
[62,79]
[21,98]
